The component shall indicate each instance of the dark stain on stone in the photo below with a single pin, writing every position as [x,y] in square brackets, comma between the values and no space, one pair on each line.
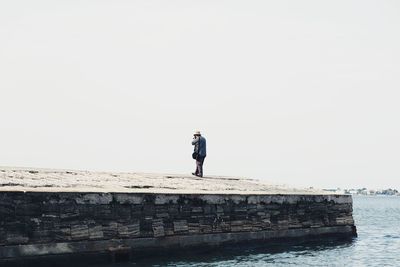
[139,186]
[11,184]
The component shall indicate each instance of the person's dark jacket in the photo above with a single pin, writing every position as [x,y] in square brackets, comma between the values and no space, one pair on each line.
[200,146]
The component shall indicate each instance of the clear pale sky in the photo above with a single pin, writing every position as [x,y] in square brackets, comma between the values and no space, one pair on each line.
[304,93]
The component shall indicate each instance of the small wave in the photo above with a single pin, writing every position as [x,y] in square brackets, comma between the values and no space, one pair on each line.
[392,236]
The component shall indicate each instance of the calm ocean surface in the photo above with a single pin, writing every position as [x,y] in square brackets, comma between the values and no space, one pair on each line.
[377,244]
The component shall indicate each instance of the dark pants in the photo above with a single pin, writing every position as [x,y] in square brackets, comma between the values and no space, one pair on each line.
[199,166]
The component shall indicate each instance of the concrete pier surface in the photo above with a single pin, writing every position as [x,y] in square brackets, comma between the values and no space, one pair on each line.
[63,212]
[48,180]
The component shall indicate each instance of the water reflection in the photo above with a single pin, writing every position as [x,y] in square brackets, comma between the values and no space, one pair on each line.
[241,253]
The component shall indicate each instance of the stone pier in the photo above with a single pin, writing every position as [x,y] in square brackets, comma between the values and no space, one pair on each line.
[62,212]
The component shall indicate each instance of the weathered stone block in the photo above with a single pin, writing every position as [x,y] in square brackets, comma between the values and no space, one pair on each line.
[173,210]
[194,228]
[208,209]
[94,198]
[43,236]
[110,230]
[185,210]
[135,199]
[79,232]
[240,226]
[129,230]
[205,228]
[28,209]
[16,238]
[346,220]
[123,211]
[50,209]
[136,211]
[96,232]
[103,212]
[240,209]
[180,226]
[197,209]
[2,237]
[166,199]
[87,211]
[149,210]
[158,228]
[162,215]
[7,212]
[69,212]
[63,234]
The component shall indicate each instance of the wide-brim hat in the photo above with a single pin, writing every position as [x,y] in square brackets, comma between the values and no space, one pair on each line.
[197,133]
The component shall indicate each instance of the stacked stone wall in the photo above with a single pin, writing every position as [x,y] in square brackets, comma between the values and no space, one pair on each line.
[46,217]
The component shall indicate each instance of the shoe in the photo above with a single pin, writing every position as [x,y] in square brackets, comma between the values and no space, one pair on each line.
[194,174]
